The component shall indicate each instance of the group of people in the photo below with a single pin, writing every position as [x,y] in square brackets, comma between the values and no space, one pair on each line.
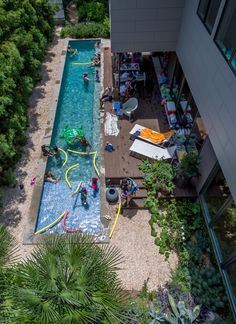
[96,59]
[47,150]
[128,190]
[84,193]
[128,87]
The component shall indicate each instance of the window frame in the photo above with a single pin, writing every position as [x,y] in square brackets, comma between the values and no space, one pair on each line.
[203,20]
[218,46]
[214,240]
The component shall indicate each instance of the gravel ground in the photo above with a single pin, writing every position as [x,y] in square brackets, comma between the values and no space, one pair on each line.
[142,261]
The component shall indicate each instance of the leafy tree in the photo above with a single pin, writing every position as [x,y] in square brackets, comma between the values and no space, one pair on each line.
[69,279]
[25,28]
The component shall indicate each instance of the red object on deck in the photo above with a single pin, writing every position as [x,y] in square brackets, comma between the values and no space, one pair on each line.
[67,229]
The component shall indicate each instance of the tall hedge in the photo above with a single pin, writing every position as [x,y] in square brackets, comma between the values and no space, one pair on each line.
[26,26]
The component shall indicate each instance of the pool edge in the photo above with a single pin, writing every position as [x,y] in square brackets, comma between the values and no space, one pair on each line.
[28,235]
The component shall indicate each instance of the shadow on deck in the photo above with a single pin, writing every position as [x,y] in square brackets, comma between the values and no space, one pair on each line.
[120,164]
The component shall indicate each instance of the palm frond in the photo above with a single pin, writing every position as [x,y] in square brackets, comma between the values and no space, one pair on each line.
[9,249]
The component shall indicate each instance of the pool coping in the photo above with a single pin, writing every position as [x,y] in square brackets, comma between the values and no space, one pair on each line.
[28,235]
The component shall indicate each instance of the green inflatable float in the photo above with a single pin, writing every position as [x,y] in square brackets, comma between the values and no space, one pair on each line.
[70,133]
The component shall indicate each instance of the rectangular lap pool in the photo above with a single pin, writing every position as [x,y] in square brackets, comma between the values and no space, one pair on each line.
[78,106]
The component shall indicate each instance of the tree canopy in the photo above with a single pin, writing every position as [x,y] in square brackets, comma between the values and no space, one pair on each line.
[68,279]
[26,26]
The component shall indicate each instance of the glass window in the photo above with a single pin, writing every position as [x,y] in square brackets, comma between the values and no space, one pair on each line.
[225,229]
[226,33]
[202,8]
[207,11]
[212,13]
[231,270]
[233,62]
[217,193]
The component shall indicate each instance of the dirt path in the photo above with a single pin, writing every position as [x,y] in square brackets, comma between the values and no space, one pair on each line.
[142,261]
[17,201]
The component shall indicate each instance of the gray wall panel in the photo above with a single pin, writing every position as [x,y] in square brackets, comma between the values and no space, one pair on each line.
[213,87]
[160,3]
[137,24]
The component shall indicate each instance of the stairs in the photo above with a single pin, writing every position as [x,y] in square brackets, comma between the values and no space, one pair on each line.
[137,201]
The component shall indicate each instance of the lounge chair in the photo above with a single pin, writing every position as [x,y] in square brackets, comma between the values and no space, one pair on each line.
[130,106]
[141,149]
[151,136]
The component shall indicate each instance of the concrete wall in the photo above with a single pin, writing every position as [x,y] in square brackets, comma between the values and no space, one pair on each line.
[145,25]
[213,86]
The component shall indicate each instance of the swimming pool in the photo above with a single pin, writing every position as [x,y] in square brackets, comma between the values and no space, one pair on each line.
[78,106]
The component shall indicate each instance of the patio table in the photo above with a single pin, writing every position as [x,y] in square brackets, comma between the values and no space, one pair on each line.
[130,67]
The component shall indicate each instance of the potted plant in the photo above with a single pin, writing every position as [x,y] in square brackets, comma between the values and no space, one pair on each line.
[187,169]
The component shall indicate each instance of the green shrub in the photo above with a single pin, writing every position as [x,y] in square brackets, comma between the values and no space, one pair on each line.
[207,288]
[106,25]
[90,11]
[85,30]
[26,28]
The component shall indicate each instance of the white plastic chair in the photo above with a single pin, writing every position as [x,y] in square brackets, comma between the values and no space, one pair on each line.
[130,106]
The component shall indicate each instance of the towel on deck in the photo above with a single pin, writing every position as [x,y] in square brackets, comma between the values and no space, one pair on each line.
[155,137]
[111,125]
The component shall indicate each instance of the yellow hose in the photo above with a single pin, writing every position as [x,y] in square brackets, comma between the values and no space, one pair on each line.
[77,189]
[90,153]
[66,156]
[83,63]
[116,220]
[67,171]
[51,224]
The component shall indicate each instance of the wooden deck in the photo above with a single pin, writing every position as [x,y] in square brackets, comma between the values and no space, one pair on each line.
[120,164]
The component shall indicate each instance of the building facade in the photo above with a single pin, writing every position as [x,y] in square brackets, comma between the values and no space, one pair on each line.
[202,33]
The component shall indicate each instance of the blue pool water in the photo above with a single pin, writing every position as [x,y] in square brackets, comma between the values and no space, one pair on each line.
[78,105]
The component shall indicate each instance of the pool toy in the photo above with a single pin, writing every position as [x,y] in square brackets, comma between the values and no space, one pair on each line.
[52,224]
[67,171]
[66,156]
[67,229]
[116,220]
[83,63]
[77,189]
[94,164]
[88,153]
[82,153]
[70,133]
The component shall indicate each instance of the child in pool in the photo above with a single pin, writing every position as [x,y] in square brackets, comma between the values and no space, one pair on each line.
[97,77]
[84,196]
